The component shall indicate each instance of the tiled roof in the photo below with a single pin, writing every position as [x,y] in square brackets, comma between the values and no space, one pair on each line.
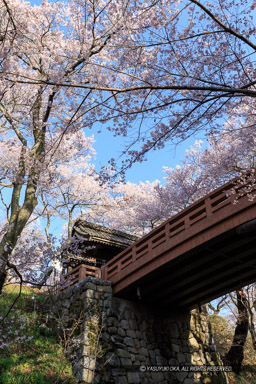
[99,234]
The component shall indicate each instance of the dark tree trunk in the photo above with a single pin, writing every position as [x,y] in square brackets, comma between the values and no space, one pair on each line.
[235,355]
[251,320]
[253,336]
[3,275]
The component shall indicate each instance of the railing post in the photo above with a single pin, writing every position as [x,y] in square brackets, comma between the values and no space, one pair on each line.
[103,272]
[133,254]
[186,222]
[208,206]
[149,245]
[82,272]
[97,273]
[167,231]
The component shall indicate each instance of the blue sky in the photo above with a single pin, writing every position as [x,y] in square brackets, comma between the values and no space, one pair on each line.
[107,146]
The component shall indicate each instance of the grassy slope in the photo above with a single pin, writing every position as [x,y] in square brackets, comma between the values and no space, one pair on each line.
[30,353]
[35,355]
[223,336]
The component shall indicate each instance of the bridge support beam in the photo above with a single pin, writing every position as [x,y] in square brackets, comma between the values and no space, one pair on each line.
[123,342]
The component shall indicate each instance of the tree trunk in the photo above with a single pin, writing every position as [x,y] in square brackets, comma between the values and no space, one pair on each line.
[251,325]
[253,335]
[235,355]
[5,251]
[3,275]
[18,222]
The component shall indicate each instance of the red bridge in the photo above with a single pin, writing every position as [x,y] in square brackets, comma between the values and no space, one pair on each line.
[203,252]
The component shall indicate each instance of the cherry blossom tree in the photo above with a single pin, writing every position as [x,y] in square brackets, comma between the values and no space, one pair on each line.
[205,167]
[152,70]
[30,262]
[134,208]
[42,47]
[226,155]
[66,188]
[71,184]
[164,69]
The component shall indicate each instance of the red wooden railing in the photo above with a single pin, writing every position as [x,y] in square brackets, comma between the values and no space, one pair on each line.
[198,211]
[77,274]
[150,245]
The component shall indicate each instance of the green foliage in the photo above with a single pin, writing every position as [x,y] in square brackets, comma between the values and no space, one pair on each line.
[32,353]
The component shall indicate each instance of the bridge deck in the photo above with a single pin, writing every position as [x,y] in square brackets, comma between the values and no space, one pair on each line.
[199,254]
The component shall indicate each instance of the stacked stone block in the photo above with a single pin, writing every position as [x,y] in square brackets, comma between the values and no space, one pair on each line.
[122,342]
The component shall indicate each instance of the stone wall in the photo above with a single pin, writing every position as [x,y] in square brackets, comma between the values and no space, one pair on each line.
[122,342]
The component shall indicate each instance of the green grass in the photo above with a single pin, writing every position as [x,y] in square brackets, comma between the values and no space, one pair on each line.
[35,355]
[30,349]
